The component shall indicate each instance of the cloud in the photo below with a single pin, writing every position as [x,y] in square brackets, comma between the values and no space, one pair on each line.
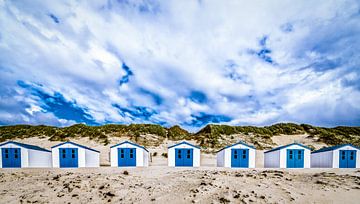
[180,62]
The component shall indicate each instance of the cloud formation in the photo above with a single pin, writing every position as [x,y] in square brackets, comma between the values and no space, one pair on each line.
[180,62]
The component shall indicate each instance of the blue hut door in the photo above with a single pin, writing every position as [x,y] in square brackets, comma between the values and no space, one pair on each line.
[347,159]
[126,156]
[240,158]
[178,157]
[11,157]
[184,157]
[295,158]
[188,157]
[68,157]
[351,158]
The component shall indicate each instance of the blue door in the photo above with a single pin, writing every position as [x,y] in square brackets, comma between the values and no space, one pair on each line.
[347,159]
[179,157]
[184,157]
[188,157]
[68,157]
[11,157]
[240,158]
[126,156]
[295,158]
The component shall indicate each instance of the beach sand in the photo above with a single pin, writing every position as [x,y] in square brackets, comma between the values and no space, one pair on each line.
[179,185]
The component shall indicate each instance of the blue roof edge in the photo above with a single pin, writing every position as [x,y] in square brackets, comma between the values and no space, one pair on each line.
[128,142]
[183,142]
[27,146]
[326,149]
[239,142]
[73,143]
[284,146]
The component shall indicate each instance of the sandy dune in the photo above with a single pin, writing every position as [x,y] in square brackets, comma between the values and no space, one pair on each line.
[207,160]
[178,185]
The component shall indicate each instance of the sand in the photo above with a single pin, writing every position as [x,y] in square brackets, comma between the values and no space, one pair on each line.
[179,185]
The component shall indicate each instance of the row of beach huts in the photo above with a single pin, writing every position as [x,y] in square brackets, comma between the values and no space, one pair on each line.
[183,154]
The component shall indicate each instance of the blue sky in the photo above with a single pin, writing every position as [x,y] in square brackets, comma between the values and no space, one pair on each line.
[180,62]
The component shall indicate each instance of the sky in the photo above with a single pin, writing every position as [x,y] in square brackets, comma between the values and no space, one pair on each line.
[187,63]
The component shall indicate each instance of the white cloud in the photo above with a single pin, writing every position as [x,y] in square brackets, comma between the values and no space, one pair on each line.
[176,47]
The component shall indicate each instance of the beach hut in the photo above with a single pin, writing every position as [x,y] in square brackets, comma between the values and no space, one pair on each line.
[184,154]
[72,155]
[128,154]
[19,155]
[238,155]
[289,156]
[341,156]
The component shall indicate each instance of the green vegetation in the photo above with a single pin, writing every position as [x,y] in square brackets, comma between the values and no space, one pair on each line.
[177,133]
[334,136]
[210,137]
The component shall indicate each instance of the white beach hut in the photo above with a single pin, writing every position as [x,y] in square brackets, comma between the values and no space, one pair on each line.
[341,156]
[72,155]
[184,154]
[289,156]
[238,155]
[19,155]
[128,154]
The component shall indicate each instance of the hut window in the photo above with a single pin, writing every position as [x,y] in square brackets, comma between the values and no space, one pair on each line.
[290,154]
[6,153]
[179,154]
[122,153]
[16,154]
[188,154]
[351,155]
[63,154]
[299,154]
[131,153]
[235,154]
[342,155]
[244,154]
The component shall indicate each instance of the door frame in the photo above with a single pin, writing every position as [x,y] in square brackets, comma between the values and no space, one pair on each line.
[126,159]
[347,157]
[11,153]
[75,159]
[181,155]
[295,158]
[242,162]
